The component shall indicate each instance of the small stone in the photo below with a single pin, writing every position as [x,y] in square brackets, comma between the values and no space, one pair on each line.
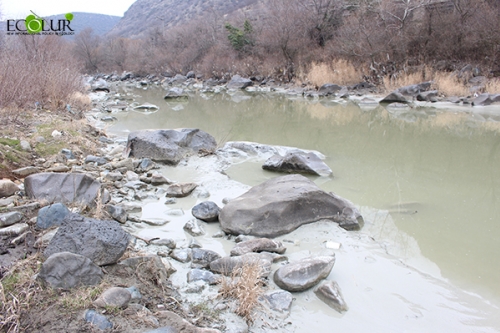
[203,257]
[44,240]
[68,153]
[207,211]
[170,243]
[56,134]
[131,176]
[170,201]
[219,234]
[279,300]
[127,163]
[7,219]
[203,275]
[118,213]
[134,293]
[52,215]
[201,193]
[7,188]
[194,244]
[14,230]
[175,212]
[97,320]
[258,245]
[115,297]
[180,190]
[193,228]
[26,171]
[95,159]
[330,293]
[181,255]
[146,165]
[113,176]
[158,179]
[304,274]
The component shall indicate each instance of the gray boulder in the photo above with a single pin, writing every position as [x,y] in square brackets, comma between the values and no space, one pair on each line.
[181,255]
[103,242]
[258,245]
[7,188]
[486,99]
[329,292]
[394,97]
[180,190]
[304,274]
[329,89]
[281,205]
[207,211]
[51,215]
[237,82]
[176,93]
[428,96]
[169,146]
[10,218]
[69,270]
[62,187]
[201,258]
[100,85]
[298,162]
[415,89]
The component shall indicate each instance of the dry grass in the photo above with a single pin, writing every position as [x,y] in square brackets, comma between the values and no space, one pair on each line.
[405,79]
[493,86]
[17,290]
[340,72]
[449,85]
[245,286]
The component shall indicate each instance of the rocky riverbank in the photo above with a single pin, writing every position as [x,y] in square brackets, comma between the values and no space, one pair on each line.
[164,269]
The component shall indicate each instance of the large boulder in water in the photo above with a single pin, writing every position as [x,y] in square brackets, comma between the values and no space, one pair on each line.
[281,205]
[169,146]
[62,187]
[298,162]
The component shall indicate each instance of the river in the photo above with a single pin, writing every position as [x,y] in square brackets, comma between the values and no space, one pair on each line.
[426,179]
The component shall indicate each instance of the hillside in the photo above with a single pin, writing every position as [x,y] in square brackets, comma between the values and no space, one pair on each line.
[101,24]
[146,14]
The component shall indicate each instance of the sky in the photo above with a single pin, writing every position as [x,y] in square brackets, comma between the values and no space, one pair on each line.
[17,9]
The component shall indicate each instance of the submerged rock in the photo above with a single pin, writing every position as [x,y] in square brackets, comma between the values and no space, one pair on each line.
[279,300]
[298,162]
[169,146]
[281,205]
[394,97]
[304,274]
[180,190]
[227,265]
[176,93]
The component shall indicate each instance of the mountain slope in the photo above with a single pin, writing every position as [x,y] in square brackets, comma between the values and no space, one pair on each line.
[146,14]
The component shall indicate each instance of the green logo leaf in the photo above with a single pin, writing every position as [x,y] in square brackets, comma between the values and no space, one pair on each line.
[69,16]
[33,25]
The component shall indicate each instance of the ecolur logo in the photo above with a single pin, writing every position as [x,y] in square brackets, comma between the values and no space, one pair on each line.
[36,25]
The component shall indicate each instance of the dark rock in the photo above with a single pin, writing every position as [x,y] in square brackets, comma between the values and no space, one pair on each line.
[181,255]
[52,215]
[179,78]
[117,213]
[281,205]
[10,218]
[227,265]
[304,274]
[258,245]
[69,270]
[146,165]
[298,162]
[68,153]
[7,188]
[237,82]
[207,211]
[329,292]
[62,187]
[201,258]
[328,89]
[176,93]
[428,96]
[115,297]
[202,275]
[169,146]
[146,106]
[279,300]
[103,242]
[98,320]
[363,86]
[95,159]
[190,75]
[414,89]
[394,97]
[180,190]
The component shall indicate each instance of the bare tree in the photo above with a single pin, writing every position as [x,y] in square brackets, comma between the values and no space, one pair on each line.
[87,49]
